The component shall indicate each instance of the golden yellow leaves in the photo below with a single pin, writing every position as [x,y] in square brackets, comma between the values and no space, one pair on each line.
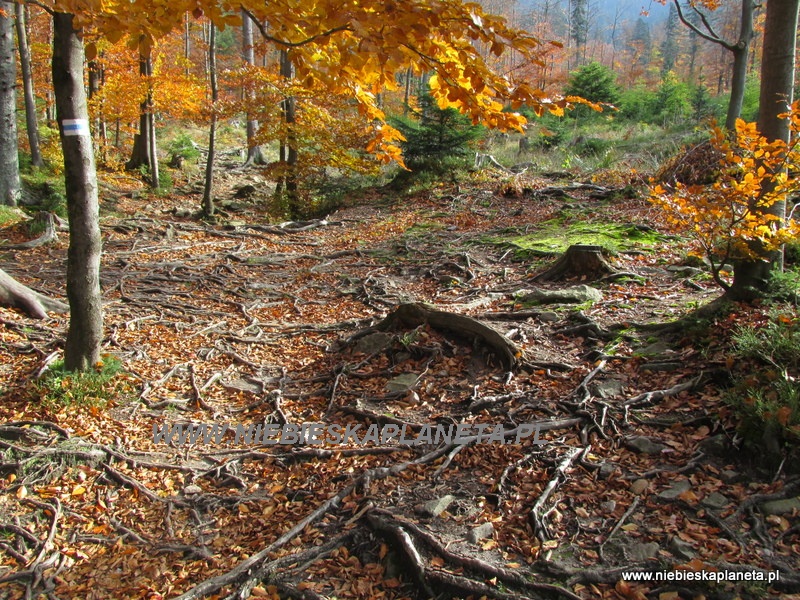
[739,215]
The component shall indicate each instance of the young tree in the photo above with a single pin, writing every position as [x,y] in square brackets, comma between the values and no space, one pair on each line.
[254,154]
[208,197]
[670,46]
[701,25]
[9,159]
[144,145]
[27,85]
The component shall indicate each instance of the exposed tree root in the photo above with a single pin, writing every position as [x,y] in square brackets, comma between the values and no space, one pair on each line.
[416,314]
[32,303]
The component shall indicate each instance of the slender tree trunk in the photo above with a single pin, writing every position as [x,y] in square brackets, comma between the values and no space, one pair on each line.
[289,143]
[254,154]
[208,197]
[741,52]
[9,158]
[27,86]
[85,334]
[144,143]
[777,85]
[187,43]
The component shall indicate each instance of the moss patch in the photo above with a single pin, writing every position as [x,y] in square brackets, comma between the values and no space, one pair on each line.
[554,237]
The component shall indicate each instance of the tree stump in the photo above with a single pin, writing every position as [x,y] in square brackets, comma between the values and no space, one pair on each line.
[582,262]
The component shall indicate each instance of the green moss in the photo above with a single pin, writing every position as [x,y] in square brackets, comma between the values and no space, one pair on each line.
[10,215]
[554,237]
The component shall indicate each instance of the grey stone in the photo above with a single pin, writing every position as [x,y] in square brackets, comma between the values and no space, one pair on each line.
[610,388]
[644,445]
[716,445]
[640,552]
[402,383]
[684,271]
[434,508]
[606,470]
[715,500]
[481,532]
[578,294]
[729,476]
[373,343]
[192,489]
[680,549]
[608,506]
[675,490]
[664,367]
[548,317]
[655,349]
[781,507]
[639,486]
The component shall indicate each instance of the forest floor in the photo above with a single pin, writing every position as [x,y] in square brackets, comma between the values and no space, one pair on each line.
[636,467]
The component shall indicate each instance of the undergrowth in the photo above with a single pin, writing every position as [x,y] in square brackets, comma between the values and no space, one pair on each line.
[58,387]
[766,395]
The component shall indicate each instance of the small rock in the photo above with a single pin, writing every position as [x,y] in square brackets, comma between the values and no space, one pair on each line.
[715,500]
[192,489]
[644,445]
[654,349]
[781,507]
[373,343]
[434,508]
[611,388]
[680,549]
[607,470]
[639,486]
[641,552]
[481,532]
[716,445]
[608,506]
[183,213]
[578,294]
[548,317]
[402,383]
[675,490]
[729,476]
[663,367]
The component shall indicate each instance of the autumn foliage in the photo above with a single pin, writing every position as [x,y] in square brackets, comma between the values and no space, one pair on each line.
[739,215]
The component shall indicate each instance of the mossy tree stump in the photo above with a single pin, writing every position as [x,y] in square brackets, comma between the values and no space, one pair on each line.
[580,261]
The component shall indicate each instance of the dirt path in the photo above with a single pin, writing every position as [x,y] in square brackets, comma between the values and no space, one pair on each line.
[254,325]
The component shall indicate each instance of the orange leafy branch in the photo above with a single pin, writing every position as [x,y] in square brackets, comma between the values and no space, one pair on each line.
[734,217]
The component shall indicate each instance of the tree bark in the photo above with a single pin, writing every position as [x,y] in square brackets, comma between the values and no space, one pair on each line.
[85,333]
[27,86]
[254,154]
[288,150]
[9,158]
[144,143]
[750,277]
[741,53]
[208,189]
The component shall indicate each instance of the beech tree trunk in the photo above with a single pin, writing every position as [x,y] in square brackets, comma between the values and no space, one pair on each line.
[254,154]
[208,189]
[27,86]
[85,333]
[288,149]
[750,277]
[144,143]
[9,159]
